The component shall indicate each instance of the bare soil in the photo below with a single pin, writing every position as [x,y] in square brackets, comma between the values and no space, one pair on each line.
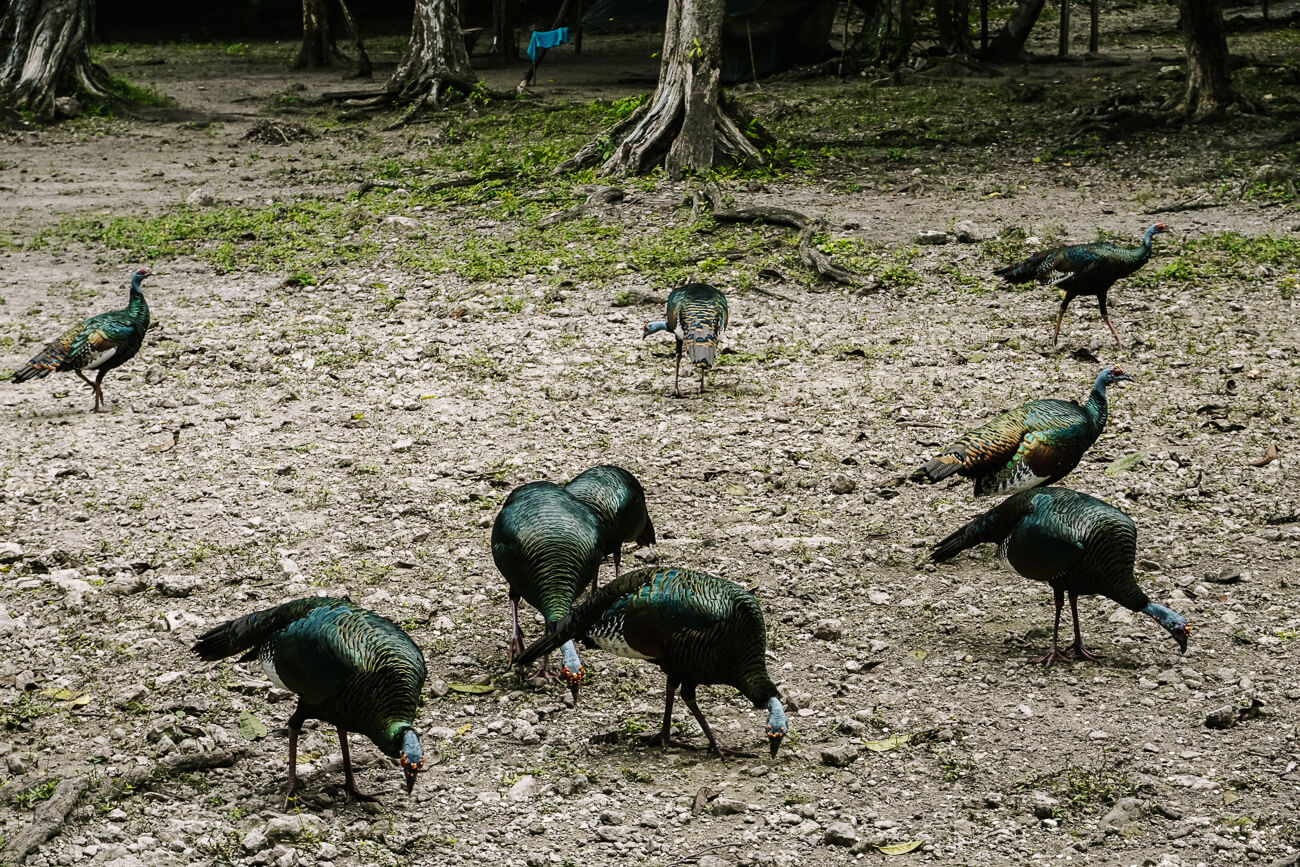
[271,442]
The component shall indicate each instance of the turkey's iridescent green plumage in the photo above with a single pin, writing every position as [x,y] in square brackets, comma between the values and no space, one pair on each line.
[696,317]
[699,629]
[617,498]
[100,343]
[1076,543]
[1083,269]
[547,545]
[1034,444]
[349,667]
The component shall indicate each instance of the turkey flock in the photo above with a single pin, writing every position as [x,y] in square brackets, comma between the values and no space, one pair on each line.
[358,671]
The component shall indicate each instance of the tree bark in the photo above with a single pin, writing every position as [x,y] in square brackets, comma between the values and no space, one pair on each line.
[43,54]
[436,60]
[1209,78]
[503,30]
[1009,44]
[952,17]
[687,125]
[318,45]
[887,35]
[364,67]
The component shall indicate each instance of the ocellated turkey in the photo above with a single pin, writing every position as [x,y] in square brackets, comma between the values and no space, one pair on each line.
[699,629]
[1077,544]
[1036,443]
[696,316]
[1083,269]
[99,343]
[547,545]
[349,667]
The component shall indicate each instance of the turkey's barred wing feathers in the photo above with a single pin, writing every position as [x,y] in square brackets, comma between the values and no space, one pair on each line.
[618,500]
[987,447]
[248,633]
[698,314]
[992,526]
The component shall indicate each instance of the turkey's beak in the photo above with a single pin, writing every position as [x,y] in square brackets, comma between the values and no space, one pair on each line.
[411,771]
[774,743]
[1181,638]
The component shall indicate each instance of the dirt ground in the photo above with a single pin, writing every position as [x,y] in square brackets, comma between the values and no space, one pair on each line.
[271,442]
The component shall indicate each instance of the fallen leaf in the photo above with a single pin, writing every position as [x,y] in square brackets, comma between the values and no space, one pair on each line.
[472,688]
[892,742]
[1128,462]
[1230,797]
[701,800]
[460,732]
[1269,457]
[77,699]
[901,848]
[918,653]
[252,728]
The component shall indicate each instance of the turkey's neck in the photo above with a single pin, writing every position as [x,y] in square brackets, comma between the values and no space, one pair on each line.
[137,307]
[1095,409]
[758,687]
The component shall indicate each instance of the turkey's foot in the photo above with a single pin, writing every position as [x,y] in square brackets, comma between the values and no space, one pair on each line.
[659,740]
[1053,655]
[352,793]
[727,752]
[1078,651]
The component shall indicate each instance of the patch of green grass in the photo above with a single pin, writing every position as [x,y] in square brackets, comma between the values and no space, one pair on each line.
[1082,791]
[16,714]
[30,797]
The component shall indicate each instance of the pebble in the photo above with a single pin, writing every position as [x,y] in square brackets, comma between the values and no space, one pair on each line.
[724,806]
[839,757]
[178,585]
[10,552]
[1222,718]
[965,232]
[523,788]
[842,484]
[829,629]
[931,236]
[1126,812]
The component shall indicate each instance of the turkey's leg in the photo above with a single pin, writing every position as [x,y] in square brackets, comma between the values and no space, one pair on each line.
[99,391]
[688,696]
[94,389]
[349,784]
[1078,651]
[677,371]
[1055,653]
[618,560]
[1101,302]
[293,763]
[516,646]
[1060,314]
[664,738]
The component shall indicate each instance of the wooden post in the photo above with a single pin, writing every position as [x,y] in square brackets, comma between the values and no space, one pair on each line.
[1063,47]
[1094,28]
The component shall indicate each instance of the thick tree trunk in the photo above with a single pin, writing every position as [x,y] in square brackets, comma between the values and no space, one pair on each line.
[887,35]
[1009,44]
[687,125]
[436,60]
[364,68]
[952,17]
[318,45]
[504,41]
[44,54]
[1209,78]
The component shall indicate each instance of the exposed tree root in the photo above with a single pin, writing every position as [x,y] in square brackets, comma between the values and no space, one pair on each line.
[815,259]
[599,200]
[51,815]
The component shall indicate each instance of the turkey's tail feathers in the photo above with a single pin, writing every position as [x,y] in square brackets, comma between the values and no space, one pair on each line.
[248,632]
[938,469]
[41,365]
[585,615]
[702,347]
[992,526]
[1024,271]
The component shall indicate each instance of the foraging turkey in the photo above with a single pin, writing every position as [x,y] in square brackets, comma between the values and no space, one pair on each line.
[1084,269]
[547,545]
[349,666]
[1077,544]
[1034,444]
[697,628]
[618,500]
[697,316]
[100,343]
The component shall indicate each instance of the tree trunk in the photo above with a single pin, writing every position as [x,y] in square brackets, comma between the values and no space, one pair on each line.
[1009,44]
[1063,40]
[886,37]
[503,30]
[43,54]
[952,17]
[436,60]
[364,67]
[687,124]
[318,46]
[1209,78]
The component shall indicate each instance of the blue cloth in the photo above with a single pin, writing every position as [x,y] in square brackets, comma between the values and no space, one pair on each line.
[543,39]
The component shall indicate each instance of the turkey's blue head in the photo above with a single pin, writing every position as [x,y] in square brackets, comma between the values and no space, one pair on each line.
[571,667]
[412,758]
[652,327]
[1172,621]
[776,724]
[1110,376]
[1156,229]
[138,277]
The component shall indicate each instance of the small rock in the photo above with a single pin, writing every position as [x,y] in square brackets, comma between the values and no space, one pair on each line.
[10,552]
[154,374]
[724,806]
[67,107]
[255,840]
[16,764]
[178,585]
[994,800]
[839,757]
[1223,718]
[523,788]
[930,236]
[1126,812]
[842,484]
[840,834]
[201,198]
[965,232]
[829,629]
